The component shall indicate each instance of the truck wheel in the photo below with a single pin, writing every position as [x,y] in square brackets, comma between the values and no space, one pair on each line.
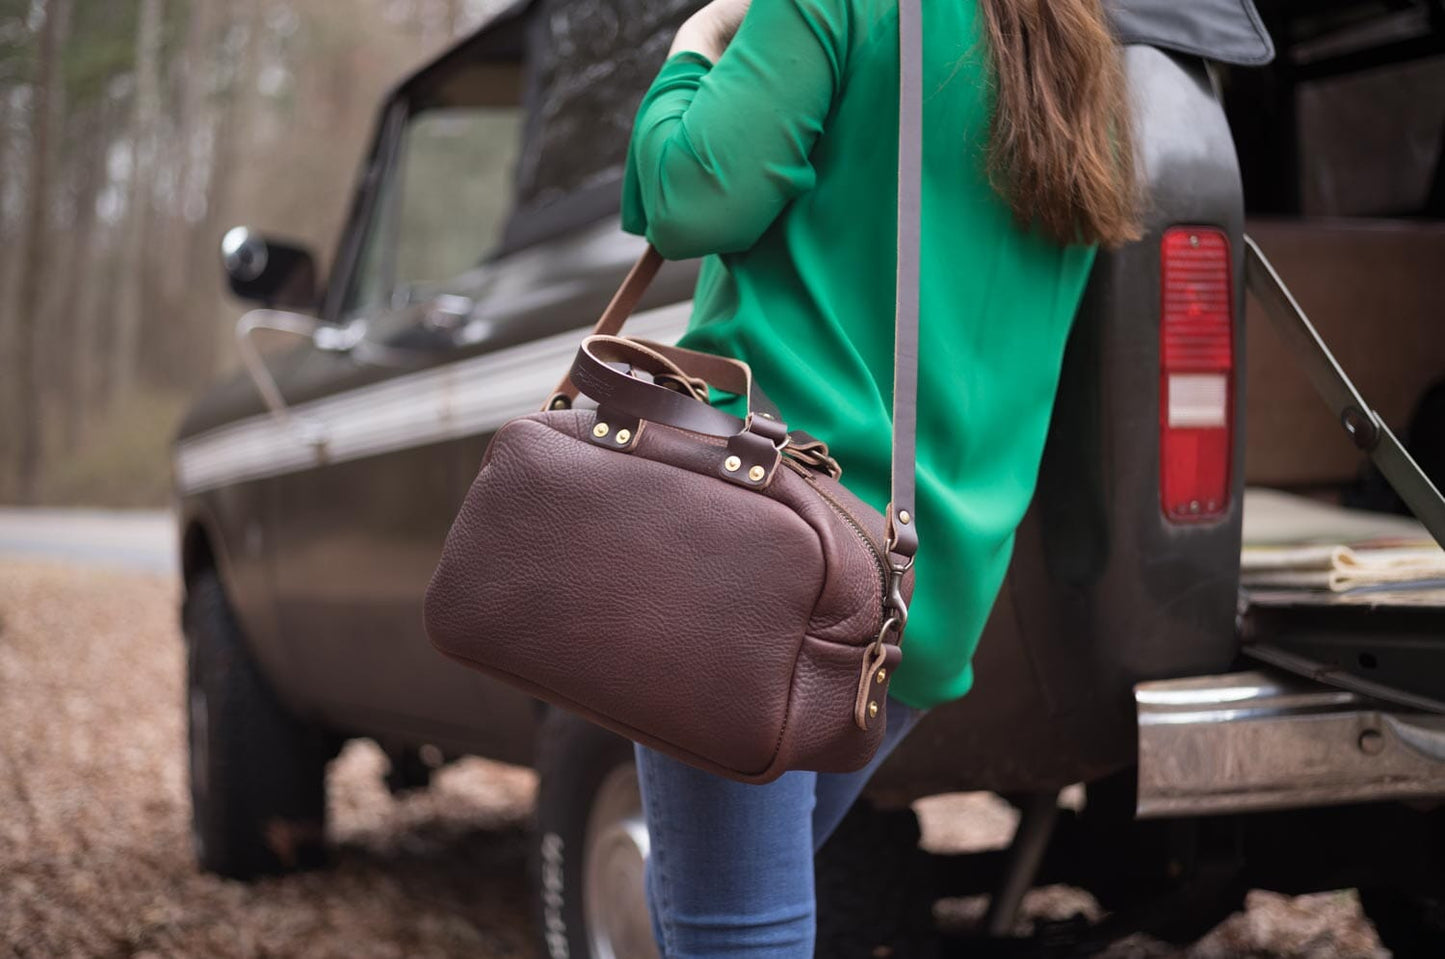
[257,775]
[1147,873]
[590,844]
[875,887]
[1410,925]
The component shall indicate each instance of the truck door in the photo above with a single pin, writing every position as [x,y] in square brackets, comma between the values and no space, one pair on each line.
[359,529]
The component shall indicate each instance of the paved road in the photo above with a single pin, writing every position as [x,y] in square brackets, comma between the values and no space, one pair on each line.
[130,539]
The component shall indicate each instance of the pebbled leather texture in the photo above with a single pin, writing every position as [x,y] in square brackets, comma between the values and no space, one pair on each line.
[704,587]
[723,625]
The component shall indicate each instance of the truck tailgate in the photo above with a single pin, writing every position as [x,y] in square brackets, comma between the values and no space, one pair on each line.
[1386,640]
[1346,703]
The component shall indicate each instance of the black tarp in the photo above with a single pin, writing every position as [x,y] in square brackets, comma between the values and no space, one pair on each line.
[1229,31]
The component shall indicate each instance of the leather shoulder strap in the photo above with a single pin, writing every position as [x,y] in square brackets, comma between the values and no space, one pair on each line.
[623,302]
[902,529]
[902,538]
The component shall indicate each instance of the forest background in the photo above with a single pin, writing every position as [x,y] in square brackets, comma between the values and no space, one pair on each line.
[133,134]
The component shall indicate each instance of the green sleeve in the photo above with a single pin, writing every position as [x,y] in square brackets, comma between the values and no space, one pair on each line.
[718,150]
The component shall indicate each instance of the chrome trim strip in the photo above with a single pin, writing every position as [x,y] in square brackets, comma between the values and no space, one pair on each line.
[467,398]
[1265,740]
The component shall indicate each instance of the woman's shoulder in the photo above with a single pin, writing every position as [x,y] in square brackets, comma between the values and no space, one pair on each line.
[845,25]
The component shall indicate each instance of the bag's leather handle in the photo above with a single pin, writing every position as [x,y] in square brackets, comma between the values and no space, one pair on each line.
[728,375]
[676,408]
[593,373]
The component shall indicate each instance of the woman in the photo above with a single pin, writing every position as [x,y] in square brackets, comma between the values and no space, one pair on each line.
[767,144]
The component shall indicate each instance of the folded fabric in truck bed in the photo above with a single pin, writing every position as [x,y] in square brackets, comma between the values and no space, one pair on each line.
[1296,542]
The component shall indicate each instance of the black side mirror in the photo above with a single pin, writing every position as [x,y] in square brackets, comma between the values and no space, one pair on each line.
[269,272]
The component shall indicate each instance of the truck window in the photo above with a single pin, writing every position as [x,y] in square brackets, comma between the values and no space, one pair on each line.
[444,196]
[1349,120]
[588,66]
[1341,144]
[454,190]
[1374,141]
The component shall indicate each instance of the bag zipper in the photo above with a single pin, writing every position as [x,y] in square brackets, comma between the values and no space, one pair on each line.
[879,564]
[857,528]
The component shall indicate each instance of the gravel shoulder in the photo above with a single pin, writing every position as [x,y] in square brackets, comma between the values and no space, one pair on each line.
[95,856]
[94,838]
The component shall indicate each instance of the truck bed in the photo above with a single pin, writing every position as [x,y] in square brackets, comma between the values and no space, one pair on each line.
[1385,640]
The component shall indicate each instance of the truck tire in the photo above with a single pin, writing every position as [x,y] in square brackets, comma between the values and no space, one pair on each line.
[590,848]
[257,774]
[1149,874]
[1410,925]
[590,844]
[875,888]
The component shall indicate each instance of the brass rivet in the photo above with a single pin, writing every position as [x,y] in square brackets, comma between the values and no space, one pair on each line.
[903,517]
[560,403]
[757,473]
[732,464]
[872,708]
[623,436]
[601,430]
[882,675]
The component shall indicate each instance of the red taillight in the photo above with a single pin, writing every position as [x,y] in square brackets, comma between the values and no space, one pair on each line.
[1196,373]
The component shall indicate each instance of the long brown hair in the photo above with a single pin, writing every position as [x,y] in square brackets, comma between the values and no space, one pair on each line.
[1060,147]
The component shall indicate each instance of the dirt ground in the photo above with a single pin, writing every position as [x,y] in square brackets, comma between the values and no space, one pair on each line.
[95,855]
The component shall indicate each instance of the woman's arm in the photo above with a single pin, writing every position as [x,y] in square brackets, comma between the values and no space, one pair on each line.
[721,145]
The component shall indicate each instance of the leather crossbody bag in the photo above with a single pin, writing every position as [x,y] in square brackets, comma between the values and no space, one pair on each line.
[693,581]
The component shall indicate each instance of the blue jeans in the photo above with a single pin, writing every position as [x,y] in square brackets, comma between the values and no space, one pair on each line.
[730,868]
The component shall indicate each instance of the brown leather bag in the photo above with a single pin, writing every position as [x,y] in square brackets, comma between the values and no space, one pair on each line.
[696,582]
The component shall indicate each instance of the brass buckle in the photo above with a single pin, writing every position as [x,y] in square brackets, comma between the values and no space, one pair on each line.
[692,386]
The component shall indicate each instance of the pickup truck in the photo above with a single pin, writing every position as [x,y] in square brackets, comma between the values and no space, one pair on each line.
[1206,739]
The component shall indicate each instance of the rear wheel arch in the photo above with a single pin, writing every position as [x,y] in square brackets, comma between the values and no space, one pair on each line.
[198,555]
[257,772]
[202,541]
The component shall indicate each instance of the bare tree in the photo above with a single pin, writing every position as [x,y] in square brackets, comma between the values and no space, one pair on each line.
[55,14]
[126,353]
[10,162]
[230,111]
[247,20]
[76,325]
[190,158]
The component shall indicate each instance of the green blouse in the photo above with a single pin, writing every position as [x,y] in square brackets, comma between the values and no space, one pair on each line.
[778,165]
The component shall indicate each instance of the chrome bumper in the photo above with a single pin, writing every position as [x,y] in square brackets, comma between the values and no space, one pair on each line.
[1267,740]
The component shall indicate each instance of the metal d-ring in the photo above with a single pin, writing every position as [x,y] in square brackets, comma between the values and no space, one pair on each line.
[891,623]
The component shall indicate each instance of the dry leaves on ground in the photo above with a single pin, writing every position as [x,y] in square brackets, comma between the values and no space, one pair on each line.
[95,850]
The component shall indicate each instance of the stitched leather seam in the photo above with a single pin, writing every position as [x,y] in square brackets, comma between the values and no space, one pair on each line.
[792,675]
[856,528]
[802,643]
[492,444]
[844,516]
[588,712]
